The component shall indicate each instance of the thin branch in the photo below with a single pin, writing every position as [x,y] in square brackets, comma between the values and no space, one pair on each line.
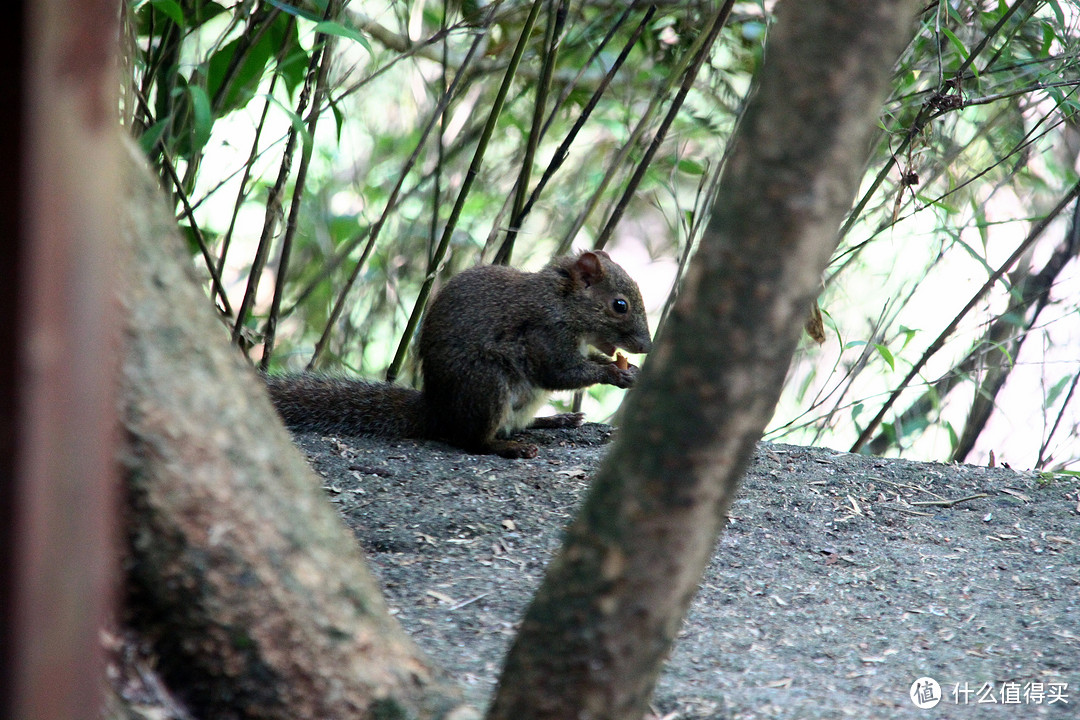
[977,50]
[274,202]
[440,142]
[938,342]
[1042,460]
[717,24]
[466,186]
[556,21]
[619,160]
[934,106]
[215,276]
[391,203]
[1031,294]
[1072,245]
[948,503]
[599,48]
[249,164]
[326,43]
[189,212]
[1029,139]
[258,24]
[345,250]
[562,152]
[987,99]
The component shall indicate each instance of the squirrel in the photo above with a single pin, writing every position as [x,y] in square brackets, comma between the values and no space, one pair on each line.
[493,344]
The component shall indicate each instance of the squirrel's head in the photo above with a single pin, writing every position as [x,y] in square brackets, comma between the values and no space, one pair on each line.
[616,312]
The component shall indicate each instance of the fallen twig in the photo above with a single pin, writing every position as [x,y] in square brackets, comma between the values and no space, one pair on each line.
[948,503]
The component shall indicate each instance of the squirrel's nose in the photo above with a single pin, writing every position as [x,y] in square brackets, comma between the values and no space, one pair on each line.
[640,344]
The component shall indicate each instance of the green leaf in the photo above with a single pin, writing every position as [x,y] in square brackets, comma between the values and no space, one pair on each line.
[1003,348]
[956,43]
[955,14]
[942,203]
[886,355]
[189,235]
[1055,391]
[339,117]
[171,8]
[908,334]
[977,256]
[295,11]
[296,121]
[245,79]
[149,139]
[1058,13]
[329,27]
[203,12]
[203,119]
[1015,319]
[954,439]
[916,425]
[1048,39]
[216,67]
[293,62]
[691,167]
[935,396]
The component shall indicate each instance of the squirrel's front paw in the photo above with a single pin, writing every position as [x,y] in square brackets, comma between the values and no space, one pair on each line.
[622,377]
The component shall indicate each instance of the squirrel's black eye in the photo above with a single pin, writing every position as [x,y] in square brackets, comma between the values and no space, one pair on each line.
[620,306]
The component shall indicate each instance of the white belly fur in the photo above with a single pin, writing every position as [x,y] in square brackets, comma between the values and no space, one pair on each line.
[522,410]
[524,405]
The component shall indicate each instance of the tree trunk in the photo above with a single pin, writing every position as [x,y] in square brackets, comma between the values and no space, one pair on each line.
[254,591]
[593,640]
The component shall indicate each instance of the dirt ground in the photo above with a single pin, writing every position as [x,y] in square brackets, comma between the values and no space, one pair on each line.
[840,580]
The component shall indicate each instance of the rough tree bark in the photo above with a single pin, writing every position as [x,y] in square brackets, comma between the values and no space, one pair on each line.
[593,640]
[257,595]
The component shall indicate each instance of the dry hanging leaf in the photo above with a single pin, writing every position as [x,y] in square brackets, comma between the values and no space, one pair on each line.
[815,326]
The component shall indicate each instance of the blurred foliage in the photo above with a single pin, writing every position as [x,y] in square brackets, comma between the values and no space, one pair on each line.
[317,151]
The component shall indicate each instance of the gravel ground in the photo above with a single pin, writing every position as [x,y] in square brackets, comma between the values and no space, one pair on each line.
[840,580]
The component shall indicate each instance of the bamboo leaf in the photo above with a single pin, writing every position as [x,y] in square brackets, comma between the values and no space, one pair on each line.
[1055,391]
[294,119]
[295,11]
[955,41]
[149,139]
[329,27]
[170,8]
[886,355]
[203,119]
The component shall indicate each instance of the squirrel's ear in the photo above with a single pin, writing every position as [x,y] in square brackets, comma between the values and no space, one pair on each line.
[589,268]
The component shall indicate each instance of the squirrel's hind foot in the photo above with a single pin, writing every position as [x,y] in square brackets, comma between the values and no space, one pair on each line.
[512,449]
[554,422]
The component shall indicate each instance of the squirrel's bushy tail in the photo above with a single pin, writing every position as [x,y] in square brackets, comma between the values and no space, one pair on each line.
[318,403]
